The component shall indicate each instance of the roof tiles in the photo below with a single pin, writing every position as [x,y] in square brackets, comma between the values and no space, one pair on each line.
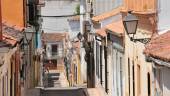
[159,47]
[107,14]
[101,32]
[116,27]
[11,35]
[53,37]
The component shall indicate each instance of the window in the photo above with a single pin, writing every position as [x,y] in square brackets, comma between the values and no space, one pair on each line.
[129,74]
[54,49]
[101,67]
[138,80]
[31,14]
[97,60]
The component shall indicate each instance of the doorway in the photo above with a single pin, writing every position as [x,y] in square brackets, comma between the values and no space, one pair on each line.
[149,86]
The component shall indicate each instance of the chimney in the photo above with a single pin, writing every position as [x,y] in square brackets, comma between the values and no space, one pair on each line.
[0,23]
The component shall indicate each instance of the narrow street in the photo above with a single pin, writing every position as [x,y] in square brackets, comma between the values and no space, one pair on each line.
[84,48]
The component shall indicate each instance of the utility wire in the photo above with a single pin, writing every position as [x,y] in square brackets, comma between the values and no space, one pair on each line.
[60,15]
[55,29]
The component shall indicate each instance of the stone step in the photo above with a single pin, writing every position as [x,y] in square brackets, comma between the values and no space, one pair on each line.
[95,92]
[63,92]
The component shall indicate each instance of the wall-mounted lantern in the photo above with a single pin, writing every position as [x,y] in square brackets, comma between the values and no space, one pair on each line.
[87,26]
[29,33]
[80,36]
[130,23]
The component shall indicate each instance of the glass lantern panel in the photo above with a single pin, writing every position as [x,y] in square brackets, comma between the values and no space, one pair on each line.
[131,26]
[28,36]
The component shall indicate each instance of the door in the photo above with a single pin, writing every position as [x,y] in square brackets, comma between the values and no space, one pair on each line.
[117,73]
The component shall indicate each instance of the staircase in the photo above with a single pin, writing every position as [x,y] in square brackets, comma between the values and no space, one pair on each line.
[63,92]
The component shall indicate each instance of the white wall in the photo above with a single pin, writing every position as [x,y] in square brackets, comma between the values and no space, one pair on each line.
[134,51]
[163,15]
[74,28]
[57,8]
[49,49]
[82,50]
[102,6]
[166,81]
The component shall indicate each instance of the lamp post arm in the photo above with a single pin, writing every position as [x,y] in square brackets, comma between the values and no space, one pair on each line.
[142,40]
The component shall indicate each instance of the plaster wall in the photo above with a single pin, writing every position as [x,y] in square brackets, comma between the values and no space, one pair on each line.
[165,81]
[163,15]
[134,51]
[102,6]
[13,12]
[62,8]
[82,50]
[5,72]
[74,28]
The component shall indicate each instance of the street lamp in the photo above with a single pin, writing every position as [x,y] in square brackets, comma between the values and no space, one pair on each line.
[87,26]
[84,37]
[27,37]
[90,37]
[87,39]
[29,33]
[130,23]
[79,36]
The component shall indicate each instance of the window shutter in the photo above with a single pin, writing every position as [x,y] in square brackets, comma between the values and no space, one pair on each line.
[32,13]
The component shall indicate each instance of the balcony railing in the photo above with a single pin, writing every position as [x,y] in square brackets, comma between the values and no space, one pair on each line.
[54,53]
[53,56]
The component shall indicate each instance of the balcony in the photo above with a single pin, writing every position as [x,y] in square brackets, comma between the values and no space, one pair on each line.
[53,56]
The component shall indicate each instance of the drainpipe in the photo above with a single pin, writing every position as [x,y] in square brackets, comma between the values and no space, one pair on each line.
[0,23]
